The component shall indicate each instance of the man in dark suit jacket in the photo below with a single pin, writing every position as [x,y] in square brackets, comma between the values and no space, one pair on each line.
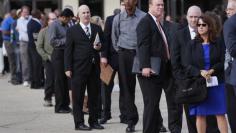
[35,60]
[178,60]
[152,42]
[82,65]
[109,56]
[230,42]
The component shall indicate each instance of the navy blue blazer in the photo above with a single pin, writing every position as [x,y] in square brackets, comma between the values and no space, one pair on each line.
[230,42]
[33,28]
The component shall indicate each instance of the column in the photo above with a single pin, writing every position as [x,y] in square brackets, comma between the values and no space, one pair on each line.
[109,6]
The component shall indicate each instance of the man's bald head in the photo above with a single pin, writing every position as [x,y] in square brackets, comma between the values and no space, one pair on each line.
[194,12]
[84,14]
[231,8]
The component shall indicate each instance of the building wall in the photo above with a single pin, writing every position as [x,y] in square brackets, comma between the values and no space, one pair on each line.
[74,4]
[109,6]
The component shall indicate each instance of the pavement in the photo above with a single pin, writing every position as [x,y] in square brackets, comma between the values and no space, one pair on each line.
[22,111]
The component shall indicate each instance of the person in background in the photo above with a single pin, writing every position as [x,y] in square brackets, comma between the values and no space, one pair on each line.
[1,54]
[108,56]
[230,43]
[45,50]
[10,47]
[205,58]
[33,28]
[21,27]
[57,39]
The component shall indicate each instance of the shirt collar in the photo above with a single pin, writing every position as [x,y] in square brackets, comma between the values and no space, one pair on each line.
[84,26]
[37,20]
[136,13]
[191,29]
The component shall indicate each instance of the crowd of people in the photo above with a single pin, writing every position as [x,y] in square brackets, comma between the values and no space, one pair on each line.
[63,53]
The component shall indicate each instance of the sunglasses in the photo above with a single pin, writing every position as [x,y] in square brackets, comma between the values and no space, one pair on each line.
[203,25]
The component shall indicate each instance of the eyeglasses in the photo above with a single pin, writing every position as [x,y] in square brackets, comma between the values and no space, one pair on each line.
[203,25]
[53,19]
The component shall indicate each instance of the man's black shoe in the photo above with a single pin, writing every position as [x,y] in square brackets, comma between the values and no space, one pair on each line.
[96,126]
[130,129]
[15,82]
[104,120]
[63,111]
[124,121]
[83,127]
[163,129]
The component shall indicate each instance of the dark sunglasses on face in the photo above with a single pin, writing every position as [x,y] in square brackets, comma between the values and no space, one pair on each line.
[203,25]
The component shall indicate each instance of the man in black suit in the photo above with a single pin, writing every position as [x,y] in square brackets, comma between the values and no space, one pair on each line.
[82,65]
[109,56]
[178,60]
[152,42]
[230,42]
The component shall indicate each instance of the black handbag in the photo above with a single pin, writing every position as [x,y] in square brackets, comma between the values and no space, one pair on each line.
[191,90]
[155,65]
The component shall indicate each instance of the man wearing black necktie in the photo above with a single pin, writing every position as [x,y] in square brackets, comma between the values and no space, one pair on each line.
[82,65]
[152,42]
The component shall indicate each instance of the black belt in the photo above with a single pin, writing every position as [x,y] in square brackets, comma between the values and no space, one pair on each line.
[124,49]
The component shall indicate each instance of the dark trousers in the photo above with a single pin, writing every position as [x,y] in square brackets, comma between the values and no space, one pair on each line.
[151,89]
[60,84]
[10,48]
[106,91]
[127,86]
[231,107]
[35,62]
[79,83]
[49,80]
[175,110]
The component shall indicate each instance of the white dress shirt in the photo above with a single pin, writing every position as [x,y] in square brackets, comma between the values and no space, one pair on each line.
[192,32]
[21,26]
[84,27]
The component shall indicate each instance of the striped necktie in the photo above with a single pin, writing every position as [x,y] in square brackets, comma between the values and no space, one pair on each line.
[164,38]
[87,32]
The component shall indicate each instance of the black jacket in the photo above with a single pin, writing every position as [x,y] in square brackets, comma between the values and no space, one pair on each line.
[79,51]
[195,58]
[110,53]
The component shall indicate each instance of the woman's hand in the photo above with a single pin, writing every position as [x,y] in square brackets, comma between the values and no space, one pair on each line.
[204,74]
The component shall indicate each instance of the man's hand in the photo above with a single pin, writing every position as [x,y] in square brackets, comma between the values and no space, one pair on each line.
[97,46]
[68,74]
[104,61]
[146,72]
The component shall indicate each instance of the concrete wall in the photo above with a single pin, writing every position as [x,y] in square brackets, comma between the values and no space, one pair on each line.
[109,6]
[74,4]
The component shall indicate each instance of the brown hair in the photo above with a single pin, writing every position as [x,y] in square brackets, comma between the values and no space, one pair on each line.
[212,32]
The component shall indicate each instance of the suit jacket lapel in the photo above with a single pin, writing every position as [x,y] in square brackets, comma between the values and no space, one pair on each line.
[93,34]
[201,52]
[82,31]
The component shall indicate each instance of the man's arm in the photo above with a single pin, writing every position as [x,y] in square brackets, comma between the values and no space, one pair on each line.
[54,40]
[115,32]
[144,42]
[107,37]
[40,45]
[230,37]
[68,54]
[5,28]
